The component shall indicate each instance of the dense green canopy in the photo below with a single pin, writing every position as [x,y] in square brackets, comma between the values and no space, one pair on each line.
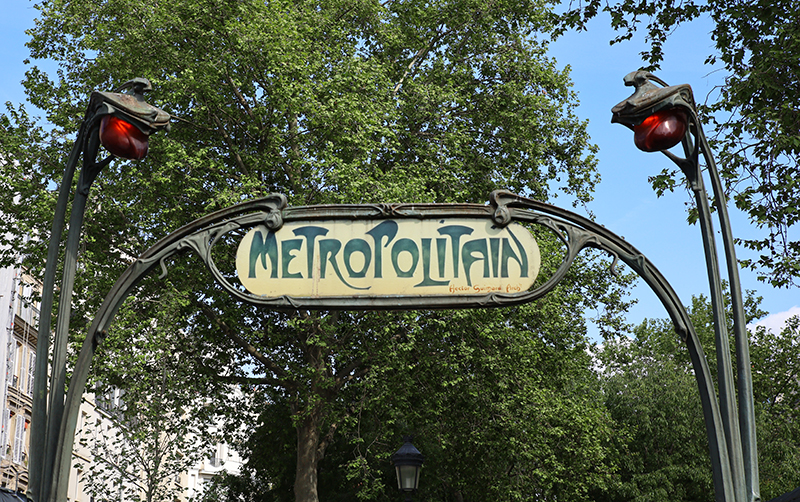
[650,393]
[327,101]
[755,116]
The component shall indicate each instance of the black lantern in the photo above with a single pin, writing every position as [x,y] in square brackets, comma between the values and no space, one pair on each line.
[407,462]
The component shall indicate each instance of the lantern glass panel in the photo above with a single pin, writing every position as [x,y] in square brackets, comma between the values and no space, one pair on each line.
[407,477]
[123,139]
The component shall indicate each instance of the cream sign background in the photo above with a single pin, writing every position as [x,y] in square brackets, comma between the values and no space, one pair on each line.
[451,256]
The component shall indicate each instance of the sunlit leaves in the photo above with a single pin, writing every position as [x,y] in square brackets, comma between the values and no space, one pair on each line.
[754,117]
[326,101]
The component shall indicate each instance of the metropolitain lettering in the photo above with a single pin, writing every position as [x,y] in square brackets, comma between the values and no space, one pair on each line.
[453,256]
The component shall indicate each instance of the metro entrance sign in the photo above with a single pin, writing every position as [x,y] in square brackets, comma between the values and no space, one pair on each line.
[393,256]
[388,257]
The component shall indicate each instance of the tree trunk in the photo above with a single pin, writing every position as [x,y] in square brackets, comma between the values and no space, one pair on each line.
[305,483]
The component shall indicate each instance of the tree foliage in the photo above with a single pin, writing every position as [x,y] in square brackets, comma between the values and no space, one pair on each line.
[326,101]
[501,406]
[517,398]
[755,118]
[150,432]
[777,394]
[651,394]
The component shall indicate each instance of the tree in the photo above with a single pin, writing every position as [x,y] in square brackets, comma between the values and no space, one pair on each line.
[652,396]
[510,390]
[326,101]
[504,407]
[510,410]
[151,435]
[755,118]
[776,387]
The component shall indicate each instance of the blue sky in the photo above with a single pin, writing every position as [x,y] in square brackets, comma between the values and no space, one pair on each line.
[624,201]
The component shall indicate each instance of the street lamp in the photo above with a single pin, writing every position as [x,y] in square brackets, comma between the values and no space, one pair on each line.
[122,122]
[662,116]
[408,463]
[127,120]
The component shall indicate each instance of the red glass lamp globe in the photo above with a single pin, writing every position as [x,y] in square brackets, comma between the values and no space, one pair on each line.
[122,138]
[661,130]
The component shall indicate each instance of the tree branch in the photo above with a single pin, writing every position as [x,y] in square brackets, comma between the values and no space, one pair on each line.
[283,377]
[239,97]
[229,142]
[349,373]
[419,56]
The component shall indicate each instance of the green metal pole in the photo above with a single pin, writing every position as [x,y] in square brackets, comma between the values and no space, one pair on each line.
[59,368]
[724,363]
[747,419]
[739,426]
[46,421]
[39,409]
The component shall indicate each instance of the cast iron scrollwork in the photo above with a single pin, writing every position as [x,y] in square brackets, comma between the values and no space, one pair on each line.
[200,236]
[576,232]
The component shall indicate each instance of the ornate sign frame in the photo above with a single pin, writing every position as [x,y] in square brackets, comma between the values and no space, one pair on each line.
[575,232]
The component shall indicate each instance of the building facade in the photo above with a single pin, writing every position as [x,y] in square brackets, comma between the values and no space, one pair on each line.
[19,316]
[19,321]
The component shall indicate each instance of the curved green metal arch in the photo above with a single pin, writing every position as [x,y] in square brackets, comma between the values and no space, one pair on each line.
[575,231]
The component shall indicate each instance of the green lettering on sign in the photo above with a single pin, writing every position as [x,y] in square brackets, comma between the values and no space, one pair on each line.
[451,256]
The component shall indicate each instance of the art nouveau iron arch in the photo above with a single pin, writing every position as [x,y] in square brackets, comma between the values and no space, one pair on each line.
[575,232]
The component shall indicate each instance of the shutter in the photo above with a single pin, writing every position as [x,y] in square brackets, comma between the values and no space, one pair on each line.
[31,371]
[4,436]
[22,370]
[19,438]
[11,368]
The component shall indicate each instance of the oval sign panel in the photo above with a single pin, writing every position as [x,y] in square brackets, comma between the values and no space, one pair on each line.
[451,256]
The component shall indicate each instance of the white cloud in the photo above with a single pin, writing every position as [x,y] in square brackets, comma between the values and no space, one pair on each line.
[776,322]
